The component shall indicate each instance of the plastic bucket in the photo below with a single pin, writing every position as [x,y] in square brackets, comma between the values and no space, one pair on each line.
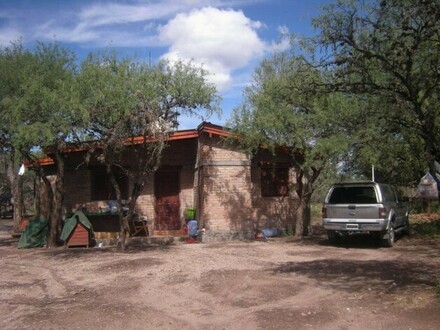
[190,214]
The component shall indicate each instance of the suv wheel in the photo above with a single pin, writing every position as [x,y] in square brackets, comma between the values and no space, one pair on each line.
[406,227]
[388,238]
[333,236]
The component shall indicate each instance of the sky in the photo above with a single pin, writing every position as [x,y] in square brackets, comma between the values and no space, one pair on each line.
[226,37]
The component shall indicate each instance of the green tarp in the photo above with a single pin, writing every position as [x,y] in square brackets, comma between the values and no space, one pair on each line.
[70,224]
[35,234]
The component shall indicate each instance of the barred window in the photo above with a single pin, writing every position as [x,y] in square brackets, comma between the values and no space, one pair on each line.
[274,182]
[102,188]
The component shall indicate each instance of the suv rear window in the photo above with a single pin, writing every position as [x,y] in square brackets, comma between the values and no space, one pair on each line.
[353,195]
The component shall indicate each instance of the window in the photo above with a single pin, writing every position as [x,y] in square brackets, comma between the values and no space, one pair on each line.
[274,182]
[353,195]
[388,195]
[102,188]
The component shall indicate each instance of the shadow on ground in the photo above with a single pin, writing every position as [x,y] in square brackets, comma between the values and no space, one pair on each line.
[353,275]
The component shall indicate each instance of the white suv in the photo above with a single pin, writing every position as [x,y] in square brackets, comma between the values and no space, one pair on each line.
[365,207]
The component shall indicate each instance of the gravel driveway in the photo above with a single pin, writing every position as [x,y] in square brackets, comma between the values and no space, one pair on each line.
[281,283]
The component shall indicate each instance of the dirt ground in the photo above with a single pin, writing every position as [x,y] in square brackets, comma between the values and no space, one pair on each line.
[281,283]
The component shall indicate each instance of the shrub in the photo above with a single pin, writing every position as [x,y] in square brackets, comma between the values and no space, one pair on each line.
[426,227]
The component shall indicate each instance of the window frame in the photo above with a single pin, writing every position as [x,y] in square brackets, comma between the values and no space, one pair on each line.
[274,181]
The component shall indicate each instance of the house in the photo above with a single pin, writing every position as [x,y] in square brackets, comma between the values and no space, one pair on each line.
[234,195]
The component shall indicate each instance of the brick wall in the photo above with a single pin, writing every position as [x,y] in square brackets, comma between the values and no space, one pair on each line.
[182,155]
[231,199]
[77,187]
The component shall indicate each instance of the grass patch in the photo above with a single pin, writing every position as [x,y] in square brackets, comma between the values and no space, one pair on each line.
[429,228]
[427,224]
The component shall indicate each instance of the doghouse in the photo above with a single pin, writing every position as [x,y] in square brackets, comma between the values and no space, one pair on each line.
[78,231]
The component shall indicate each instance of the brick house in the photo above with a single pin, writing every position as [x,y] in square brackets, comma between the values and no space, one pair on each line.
[234,195]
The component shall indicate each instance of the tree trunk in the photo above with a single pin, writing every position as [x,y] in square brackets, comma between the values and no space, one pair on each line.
[49,196]
[304,189]
[37,195]
[41,177]
[135,193]
[16,183]
[17,193]
[123,221]
[302,217]
[56,216]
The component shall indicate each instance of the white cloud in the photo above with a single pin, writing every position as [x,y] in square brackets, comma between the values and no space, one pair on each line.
[113,13]
[77,34]
[106,13]
[112,23]
[220,40]
[284,41]
[8,35]
[102,37]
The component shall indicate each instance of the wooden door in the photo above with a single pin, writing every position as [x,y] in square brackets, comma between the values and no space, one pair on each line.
[166,191]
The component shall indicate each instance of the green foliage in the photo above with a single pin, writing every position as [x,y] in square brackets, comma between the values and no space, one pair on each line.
[285,107]
[426,228]
[397,156]
[38,103]
[124,99]
[39,108]
[388,52]
[46,101]
[282,108]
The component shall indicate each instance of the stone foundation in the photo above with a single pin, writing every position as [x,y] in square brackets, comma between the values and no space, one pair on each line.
[213,236]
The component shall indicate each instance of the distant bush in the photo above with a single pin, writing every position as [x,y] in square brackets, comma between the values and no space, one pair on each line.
[423,206]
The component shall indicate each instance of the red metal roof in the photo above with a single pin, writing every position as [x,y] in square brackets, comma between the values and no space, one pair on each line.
[204,127]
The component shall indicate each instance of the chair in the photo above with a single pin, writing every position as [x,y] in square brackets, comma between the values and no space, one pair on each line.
[138,226]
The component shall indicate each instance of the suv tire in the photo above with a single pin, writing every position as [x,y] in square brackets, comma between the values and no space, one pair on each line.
[389,236]
[406,227]
[333,236]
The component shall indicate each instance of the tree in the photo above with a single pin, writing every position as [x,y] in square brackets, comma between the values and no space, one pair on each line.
[133,109]
[283,108]
[397,156]
[388,50]
[39,109]
[14,61]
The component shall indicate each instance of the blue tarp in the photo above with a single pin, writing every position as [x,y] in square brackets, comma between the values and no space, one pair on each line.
[270,232]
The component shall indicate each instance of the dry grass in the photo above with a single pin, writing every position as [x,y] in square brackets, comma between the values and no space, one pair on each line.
[425,224]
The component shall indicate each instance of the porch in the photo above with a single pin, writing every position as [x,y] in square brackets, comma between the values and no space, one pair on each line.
[142,232]
[143,241]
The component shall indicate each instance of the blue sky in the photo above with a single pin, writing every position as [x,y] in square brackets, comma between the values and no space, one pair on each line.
[226,37]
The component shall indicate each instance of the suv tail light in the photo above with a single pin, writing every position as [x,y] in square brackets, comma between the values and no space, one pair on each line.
[382,212]
[324,212]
